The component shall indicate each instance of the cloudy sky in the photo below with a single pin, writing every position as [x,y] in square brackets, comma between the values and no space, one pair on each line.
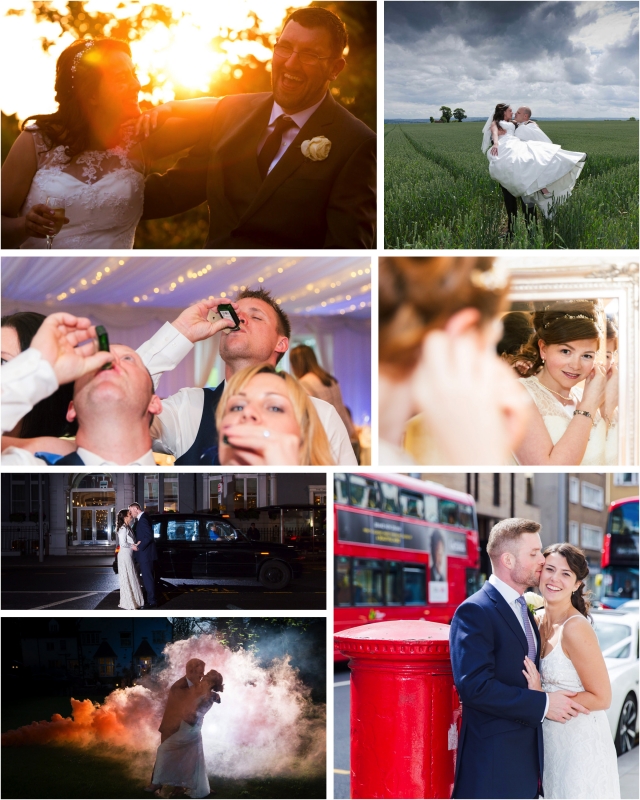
[563,59]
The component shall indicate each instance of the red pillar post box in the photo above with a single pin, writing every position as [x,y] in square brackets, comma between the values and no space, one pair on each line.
[405,710]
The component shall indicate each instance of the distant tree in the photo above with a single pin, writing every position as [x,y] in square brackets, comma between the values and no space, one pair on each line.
[446,113]
[459,114]
[431,119]
[632,119]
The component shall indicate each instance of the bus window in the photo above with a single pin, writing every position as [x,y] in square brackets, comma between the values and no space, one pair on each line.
[367,582]
[340,489]
[343,581]
[431,508]
[412,505]
[415,583]
[621,582]
[448,512]
[389,498]
[393,584]
[465,517]
[363,493]
[624,519]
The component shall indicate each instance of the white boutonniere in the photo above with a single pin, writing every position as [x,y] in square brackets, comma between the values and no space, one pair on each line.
[533,601]
[316,149]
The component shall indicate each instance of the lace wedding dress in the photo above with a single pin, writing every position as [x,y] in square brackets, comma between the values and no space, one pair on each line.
[526,167]
[557,417]
[579,756]
[103,190]
[130,591]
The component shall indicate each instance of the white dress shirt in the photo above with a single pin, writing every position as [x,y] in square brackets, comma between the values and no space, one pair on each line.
[19,457]
[300,118]
[175,429]
[26,380]
[511,596]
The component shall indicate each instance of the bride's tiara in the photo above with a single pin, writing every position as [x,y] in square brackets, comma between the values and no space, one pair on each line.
[492,280]
[78,56]
[571,316]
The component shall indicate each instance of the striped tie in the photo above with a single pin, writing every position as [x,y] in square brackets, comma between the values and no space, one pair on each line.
[531,642]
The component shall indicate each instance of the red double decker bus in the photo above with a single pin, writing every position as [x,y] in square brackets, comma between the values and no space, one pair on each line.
[620,554]
[404,549]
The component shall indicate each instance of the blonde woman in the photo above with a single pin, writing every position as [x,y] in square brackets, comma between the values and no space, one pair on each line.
[265,418]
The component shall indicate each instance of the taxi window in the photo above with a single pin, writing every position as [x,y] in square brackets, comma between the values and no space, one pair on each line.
[182,530]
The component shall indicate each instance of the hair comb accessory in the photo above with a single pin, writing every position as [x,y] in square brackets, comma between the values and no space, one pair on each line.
[493,280]
[77,58]
[572,316]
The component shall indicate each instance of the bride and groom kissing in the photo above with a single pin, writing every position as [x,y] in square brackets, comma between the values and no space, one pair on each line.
[527,164]
[534,689]
[290,168]
[180,769]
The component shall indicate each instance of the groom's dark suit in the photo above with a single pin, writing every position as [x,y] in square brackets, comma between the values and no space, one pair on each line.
[500,753]
[146,555]
[300,204]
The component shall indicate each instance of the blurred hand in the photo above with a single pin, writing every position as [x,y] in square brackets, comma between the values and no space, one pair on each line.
[532,675]
[69,344]
[193,322]
[149,121]
[562,707]
[246,444]
[494,150]
[38,221]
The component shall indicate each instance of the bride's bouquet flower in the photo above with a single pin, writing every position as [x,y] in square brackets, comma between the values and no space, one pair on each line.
[316,149]
[533,601]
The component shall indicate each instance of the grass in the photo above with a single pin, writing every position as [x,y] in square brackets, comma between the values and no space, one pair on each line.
[439,195]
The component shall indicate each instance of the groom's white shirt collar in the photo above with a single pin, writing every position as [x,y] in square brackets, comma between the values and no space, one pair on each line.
[300,117]
[94,460]
[189,684]
[510,595]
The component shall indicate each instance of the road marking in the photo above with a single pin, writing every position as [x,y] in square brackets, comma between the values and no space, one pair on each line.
[42,591]
[68,600]
[342,683]
[342,772]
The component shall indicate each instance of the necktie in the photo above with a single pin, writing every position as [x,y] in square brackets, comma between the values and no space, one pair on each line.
[531,642]
[273,143]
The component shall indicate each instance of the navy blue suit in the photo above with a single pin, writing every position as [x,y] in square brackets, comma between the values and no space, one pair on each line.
[500,753]
[146,555]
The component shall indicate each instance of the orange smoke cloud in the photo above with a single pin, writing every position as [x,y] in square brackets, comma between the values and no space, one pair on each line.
[265,725]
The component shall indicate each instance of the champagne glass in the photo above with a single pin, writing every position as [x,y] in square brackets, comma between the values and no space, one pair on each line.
[58,206]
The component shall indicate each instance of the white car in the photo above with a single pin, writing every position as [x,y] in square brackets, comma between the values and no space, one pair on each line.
[617,633]
[630,605]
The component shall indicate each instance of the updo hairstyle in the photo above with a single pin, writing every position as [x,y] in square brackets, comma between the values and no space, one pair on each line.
[580,598]
[418,295]
[558,323]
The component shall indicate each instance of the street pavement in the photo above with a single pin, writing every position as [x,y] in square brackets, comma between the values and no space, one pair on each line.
[82,583]
[627,764]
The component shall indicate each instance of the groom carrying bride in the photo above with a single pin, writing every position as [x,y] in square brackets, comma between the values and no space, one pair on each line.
[291,168]
[500,750]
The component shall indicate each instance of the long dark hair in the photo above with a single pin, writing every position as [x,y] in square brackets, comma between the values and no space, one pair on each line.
[558,323]
[303,361]
[580,598]
[78,76]
[48,417]
[122,514]
[498,114]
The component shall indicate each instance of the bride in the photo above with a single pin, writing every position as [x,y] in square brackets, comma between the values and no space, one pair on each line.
[543,171]
[573,425]
[130,591]
[579,755]
[92,153]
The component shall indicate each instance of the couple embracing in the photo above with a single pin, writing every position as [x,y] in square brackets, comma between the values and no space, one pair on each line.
[534,689]
[136,553]
[290,168]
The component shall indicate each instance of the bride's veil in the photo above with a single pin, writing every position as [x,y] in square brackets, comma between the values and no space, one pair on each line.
[486,134]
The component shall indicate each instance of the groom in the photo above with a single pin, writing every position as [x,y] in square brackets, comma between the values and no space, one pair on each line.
[146,553]
[511,202]
[264,189]
[500,750]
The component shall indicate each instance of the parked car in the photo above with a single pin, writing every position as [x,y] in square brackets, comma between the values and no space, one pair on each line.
[630,605]
[208,546]
[617,633]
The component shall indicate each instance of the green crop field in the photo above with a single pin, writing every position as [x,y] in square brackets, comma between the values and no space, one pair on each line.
[438,193]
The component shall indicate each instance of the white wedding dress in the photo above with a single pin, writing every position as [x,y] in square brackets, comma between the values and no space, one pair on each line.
[180,761]
[103,190]
[130,592]
[524,168]
[601,447]
[579,755]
